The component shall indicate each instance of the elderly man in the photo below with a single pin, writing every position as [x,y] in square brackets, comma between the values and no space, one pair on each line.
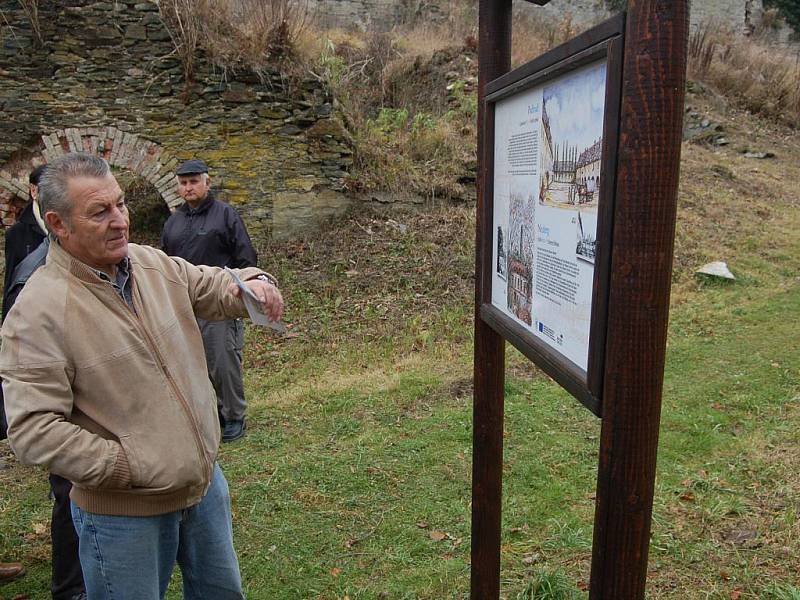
[205,231]
[105,383]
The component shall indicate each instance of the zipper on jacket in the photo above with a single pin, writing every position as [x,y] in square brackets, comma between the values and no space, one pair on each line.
[168,375]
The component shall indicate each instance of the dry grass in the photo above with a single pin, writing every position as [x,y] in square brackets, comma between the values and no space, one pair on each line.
[184,20]
[410,97]
[259,35]
[533,36]
[758,76]
[730,198]
[31,9]
[410,106]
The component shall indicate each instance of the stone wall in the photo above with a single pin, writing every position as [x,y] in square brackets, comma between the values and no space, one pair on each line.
[739,15]
[104,79]
[378,15]
[384,14]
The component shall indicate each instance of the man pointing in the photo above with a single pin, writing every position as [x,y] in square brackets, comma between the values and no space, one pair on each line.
[105,385]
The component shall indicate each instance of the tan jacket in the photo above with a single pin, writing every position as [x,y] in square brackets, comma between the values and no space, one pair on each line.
[117,401]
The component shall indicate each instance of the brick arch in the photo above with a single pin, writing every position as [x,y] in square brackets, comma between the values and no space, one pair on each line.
[121,149]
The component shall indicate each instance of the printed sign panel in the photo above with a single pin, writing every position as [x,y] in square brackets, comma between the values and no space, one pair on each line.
[547,160]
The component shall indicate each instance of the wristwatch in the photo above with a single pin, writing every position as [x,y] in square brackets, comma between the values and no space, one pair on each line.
[268,278]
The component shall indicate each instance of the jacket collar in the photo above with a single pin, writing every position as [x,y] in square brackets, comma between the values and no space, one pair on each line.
[27,216]
[201,208]
[60,257]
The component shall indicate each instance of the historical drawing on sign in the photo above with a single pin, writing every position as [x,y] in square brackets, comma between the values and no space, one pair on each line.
[572,141]
[519,259]
[587,243]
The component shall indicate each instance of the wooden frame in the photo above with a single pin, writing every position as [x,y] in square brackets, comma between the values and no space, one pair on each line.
[602,42]
[639,268]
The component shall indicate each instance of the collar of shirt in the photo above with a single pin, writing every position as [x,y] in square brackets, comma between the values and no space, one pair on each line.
[123,276]
[201,208]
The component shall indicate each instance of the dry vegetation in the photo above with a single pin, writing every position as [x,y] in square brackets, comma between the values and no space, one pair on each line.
[754,74]
[409,95]
[258,35]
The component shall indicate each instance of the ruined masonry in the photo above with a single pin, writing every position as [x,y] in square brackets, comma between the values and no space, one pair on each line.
[102,77]
[739,15]
[123,150]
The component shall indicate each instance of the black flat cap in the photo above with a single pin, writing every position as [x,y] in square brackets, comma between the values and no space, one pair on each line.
[192,167]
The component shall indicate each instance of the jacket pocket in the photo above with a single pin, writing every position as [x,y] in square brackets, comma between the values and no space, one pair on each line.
[126,441]
[162,462]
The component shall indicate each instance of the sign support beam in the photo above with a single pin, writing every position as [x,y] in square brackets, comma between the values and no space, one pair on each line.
[653,89]
[494,59]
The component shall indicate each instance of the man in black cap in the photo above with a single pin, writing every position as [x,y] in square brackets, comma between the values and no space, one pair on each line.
[205,231]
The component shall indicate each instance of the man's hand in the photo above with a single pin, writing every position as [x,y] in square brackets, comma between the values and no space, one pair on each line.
[268,295]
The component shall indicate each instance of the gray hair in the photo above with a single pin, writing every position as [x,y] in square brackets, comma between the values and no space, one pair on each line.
[53,194]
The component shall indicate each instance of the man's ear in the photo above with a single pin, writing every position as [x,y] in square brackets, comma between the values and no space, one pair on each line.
[56,224]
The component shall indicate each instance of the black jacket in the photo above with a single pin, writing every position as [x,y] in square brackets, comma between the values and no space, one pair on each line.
[22,238]
[23,272]
[211,234]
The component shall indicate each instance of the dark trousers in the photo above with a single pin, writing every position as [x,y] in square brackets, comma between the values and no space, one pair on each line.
[223,342]
[67,577]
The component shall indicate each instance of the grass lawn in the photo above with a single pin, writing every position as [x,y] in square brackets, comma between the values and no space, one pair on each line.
[354,478]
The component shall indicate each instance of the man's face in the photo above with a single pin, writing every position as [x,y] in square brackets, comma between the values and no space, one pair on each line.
[193,188]
[33,190]
[97,230]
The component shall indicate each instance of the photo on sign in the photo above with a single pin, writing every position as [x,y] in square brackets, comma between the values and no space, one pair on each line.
[548,158]
[501,257]
[586,246]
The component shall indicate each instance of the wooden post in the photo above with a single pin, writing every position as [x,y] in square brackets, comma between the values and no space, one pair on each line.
[494,59]
[654,77]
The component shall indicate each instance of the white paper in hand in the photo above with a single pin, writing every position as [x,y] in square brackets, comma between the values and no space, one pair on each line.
[254,306]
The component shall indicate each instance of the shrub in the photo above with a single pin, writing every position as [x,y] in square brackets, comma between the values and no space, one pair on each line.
[789,9]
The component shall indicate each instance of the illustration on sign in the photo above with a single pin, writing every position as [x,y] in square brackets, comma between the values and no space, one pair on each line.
[548,156]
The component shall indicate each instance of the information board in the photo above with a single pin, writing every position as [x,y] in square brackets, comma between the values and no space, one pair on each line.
[553,139]
[548,153]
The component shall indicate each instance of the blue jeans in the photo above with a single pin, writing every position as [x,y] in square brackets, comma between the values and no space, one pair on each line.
[133,557]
